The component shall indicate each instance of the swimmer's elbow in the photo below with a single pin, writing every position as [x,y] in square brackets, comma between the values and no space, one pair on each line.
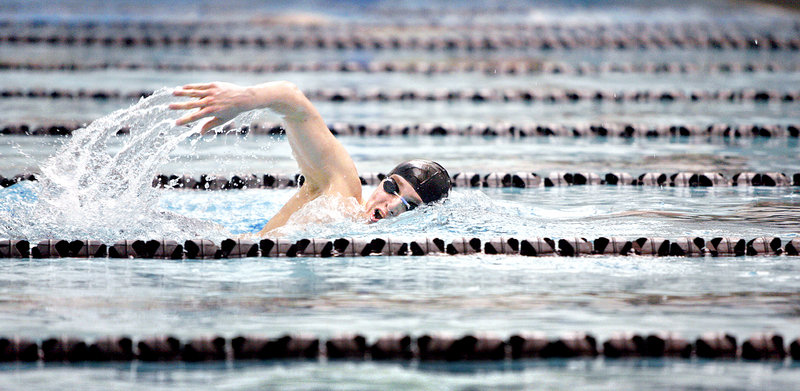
[291,91]
[287,99]
[289,86]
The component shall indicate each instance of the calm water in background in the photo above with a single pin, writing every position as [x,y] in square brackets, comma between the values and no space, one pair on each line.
[237,155]
[381,295]
[378,295]
[550,375]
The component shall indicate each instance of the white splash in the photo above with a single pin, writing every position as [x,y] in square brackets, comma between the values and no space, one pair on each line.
[464,213]
[325,216]
[87,191]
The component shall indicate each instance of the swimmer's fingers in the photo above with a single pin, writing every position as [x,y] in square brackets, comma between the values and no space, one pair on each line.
[198,86]
[216,121]
[192,93]
[190,105]
[196,90]
[194,116]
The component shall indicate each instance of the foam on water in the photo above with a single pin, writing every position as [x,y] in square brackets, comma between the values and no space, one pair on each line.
[84,190]
[463,213]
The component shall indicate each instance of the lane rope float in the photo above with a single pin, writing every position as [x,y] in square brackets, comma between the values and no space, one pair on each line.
[640,37]
[493,180]
[429,347]
[624,130]
[502,67]
[359,247]
[520,179]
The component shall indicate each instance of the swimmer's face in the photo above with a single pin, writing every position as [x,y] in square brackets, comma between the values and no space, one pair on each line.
[393,196]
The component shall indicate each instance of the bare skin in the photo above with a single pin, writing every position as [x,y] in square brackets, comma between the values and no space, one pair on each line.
[327,167]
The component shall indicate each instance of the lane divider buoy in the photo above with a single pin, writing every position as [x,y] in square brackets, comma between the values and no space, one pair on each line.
[502,67]
[360,247]
[623,130]
[428,347]
[644,38]
[519,179]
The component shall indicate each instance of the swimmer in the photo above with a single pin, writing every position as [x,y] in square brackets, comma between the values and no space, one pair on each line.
[327,167]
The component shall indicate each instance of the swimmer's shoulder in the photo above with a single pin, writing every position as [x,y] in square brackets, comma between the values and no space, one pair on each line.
[345,187]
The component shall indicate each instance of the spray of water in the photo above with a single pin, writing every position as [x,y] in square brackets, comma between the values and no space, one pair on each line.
[85,190]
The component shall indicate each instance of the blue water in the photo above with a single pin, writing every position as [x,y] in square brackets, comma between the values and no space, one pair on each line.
[546,212]
[586,211]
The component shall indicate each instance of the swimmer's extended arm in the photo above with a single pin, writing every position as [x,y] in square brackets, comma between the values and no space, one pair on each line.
[324,162]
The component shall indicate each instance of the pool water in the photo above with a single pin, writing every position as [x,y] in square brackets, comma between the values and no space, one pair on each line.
[377,296]
[380,295]
[97,185]
[557,374]
[236,155]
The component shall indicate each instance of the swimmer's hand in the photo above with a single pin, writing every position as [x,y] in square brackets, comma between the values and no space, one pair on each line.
[220,101]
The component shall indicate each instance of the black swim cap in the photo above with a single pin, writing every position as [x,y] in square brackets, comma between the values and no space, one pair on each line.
[428,178]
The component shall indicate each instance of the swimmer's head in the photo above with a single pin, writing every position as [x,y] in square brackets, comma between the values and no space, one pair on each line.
[407,186]
[429,179]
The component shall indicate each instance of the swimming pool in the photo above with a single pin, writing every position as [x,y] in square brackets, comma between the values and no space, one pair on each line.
[96,188]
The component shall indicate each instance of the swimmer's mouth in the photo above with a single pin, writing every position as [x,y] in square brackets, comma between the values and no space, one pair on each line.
[376,215]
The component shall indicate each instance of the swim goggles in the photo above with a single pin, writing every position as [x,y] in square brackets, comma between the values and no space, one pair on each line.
[390,186]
